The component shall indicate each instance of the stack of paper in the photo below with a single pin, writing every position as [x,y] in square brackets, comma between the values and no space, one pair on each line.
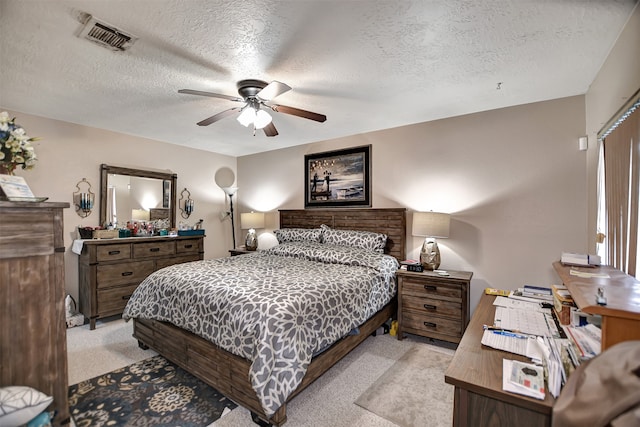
[523,378]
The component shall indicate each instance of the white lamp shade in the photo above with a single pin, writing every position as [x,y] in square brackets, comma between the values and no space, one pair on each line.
[252,220]
[230,190]
[247,116]
[262,119]
[431,224]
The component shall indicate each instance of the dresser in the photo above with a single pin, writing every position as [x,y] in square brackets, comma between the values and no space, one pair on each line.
[111,269]
[433,305]
[33,334]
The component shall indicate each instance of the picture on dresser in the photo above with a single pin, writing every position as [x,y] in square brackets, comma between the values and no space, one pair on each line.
[338,178]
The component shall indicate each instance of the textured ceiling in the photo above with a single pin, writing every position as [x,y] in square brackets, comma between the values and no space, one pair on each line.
[367,65]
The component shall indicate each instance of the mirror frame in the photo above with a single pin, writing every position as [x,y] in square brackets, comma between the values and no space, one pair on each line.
[105,170]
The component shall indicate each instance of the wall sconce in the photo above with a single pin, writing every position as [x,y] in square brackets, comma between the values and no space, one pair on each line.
[83,200]
[430,225]
[251,221]
[186,207]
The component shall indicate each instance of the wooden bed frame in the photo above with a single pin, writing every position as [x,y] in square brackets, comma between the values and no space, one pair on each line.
[228,373]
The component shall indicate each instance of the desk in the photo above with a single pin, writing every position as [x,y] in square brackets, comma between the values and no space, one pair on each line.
[621,315]
[476,373]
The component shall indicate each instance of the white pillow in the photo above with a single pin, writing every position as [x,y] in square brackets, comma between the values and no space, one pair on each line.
[21,404]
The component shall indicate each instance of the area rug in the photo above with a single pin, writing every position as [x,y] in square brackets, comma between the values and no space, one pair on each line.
[412,392]
[152,392]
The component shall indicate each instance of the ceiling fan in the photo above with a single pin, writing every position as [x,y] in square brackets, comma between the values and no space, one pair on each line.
[256,94]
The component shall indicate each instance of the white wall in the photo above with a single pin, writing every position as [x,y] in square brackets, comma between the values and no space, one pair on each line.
[513,180]
[68,152]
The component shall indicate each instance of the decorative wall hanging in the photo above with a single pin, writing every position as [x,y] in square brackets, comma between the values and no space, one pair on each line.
[185,204]
[83,200]
[338,178]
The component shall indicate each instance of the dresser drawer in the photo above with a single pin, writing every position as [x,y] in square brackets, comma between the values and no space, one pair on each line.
[113,252]
[450,309]
[433,288]
[187,247]
[427,324]
[153,249]
[166,262]
[112,301]
[123,273]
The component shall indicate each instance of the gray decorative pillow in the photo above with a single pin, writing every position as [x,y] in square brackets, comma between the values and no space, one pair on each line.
[354,238]
[21,404]
[285,235]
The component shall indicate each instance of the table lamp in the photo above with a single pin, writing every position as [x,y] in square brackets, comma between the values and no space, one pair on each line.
[251,221]
[431,225]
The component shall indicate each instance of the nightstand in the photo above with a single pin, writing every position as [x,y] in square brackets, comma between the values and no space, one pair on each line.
[433,305]
[239,251]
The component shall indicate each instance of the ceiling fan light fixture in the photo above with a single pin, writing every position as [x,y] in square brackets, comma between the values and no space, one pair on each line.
[247,116]
[262,119]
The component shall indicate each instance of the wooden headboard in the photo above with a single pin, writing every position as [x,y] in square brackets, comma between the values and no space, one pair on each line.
[390,221]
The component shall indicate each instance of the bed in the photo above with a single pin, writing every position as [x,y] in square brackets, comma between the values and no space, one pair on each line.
[256,369]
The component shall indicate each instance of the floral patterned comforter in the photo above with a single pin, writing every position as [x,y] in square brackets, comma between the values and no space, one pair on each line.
[276,307]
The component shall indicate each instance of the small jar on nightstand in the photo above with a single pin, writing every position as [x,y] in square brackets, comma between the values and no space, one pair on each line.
[433,304]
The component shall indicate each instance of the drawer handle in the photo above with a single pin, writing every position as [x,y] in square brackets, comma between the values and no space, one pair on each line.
[127,273]
[126,297]
[430,307]
[430,324]
[430,288]
[114,252]
[188,246]
[155,249]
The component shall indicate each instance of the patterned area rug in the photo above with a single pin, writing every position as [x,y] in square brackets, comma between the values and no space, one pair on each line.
[412,393]
[153,392]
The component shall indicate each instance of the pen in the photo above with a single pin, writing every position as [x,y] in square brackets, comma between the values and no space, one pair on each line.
[497,328]
[510,334]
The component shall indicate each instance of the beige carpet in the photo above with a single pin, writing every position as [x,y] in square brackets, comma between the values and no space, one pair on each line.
[412,392]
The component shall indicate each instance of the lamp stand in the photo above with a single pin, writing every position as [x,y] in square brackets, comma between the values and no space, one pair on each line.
[251,241]
[430,254]
[233,227]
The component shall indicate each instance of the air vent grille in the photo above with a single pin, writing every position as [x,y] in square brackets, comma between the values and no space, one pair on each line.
[106,35]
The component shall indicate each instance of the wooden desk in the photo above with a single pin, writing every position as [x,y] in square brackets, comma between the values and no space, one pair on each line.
[621,315]
[476,373]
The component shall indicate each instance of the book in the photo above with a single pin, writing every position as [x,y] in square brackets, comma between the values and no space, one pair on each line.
[583,260]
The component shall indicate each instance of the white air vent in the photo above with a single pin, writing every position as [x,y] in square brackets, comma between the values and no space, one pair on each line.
[106,35]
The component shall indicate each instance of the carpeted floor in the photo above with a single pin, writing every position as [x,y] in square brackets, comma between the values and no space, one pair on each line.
[412,393]
[329,401]
[152,392]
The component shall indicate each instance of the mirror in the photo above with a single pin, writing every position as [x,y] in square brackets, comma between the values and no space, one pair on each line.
[136,194]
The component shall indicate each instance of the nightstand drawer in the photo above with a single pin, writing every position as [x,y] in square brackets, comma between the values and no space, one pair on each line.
[123,273]
[113,252]
[433,288]
[426,323]
[432,306]
[154,249]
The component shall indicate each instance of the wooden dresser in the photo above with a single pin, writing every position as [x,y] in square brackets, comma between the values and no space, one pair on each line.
[111,269]
[433,305]
[33,334]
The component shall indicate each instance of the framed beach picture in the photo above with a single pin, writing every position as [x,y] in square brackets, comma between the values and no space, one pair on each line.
[338,178]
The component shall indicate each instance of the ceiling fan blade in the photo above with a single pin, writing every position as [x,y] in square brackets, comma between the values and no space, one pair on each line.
[270,130]
[211,94]
[272,90]
[298,112]
[219,116]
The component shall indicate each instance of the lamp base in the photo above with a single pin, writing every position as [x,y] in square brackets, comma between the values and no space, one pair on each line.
[430,254]
[251,241]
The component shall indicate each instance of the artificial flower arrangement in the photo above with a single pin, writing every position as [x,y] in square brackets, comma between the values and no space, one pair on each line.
[15,146]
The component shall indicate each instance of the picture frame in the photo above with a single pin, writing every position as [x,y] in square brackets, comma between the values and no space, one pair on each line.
[339,178]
